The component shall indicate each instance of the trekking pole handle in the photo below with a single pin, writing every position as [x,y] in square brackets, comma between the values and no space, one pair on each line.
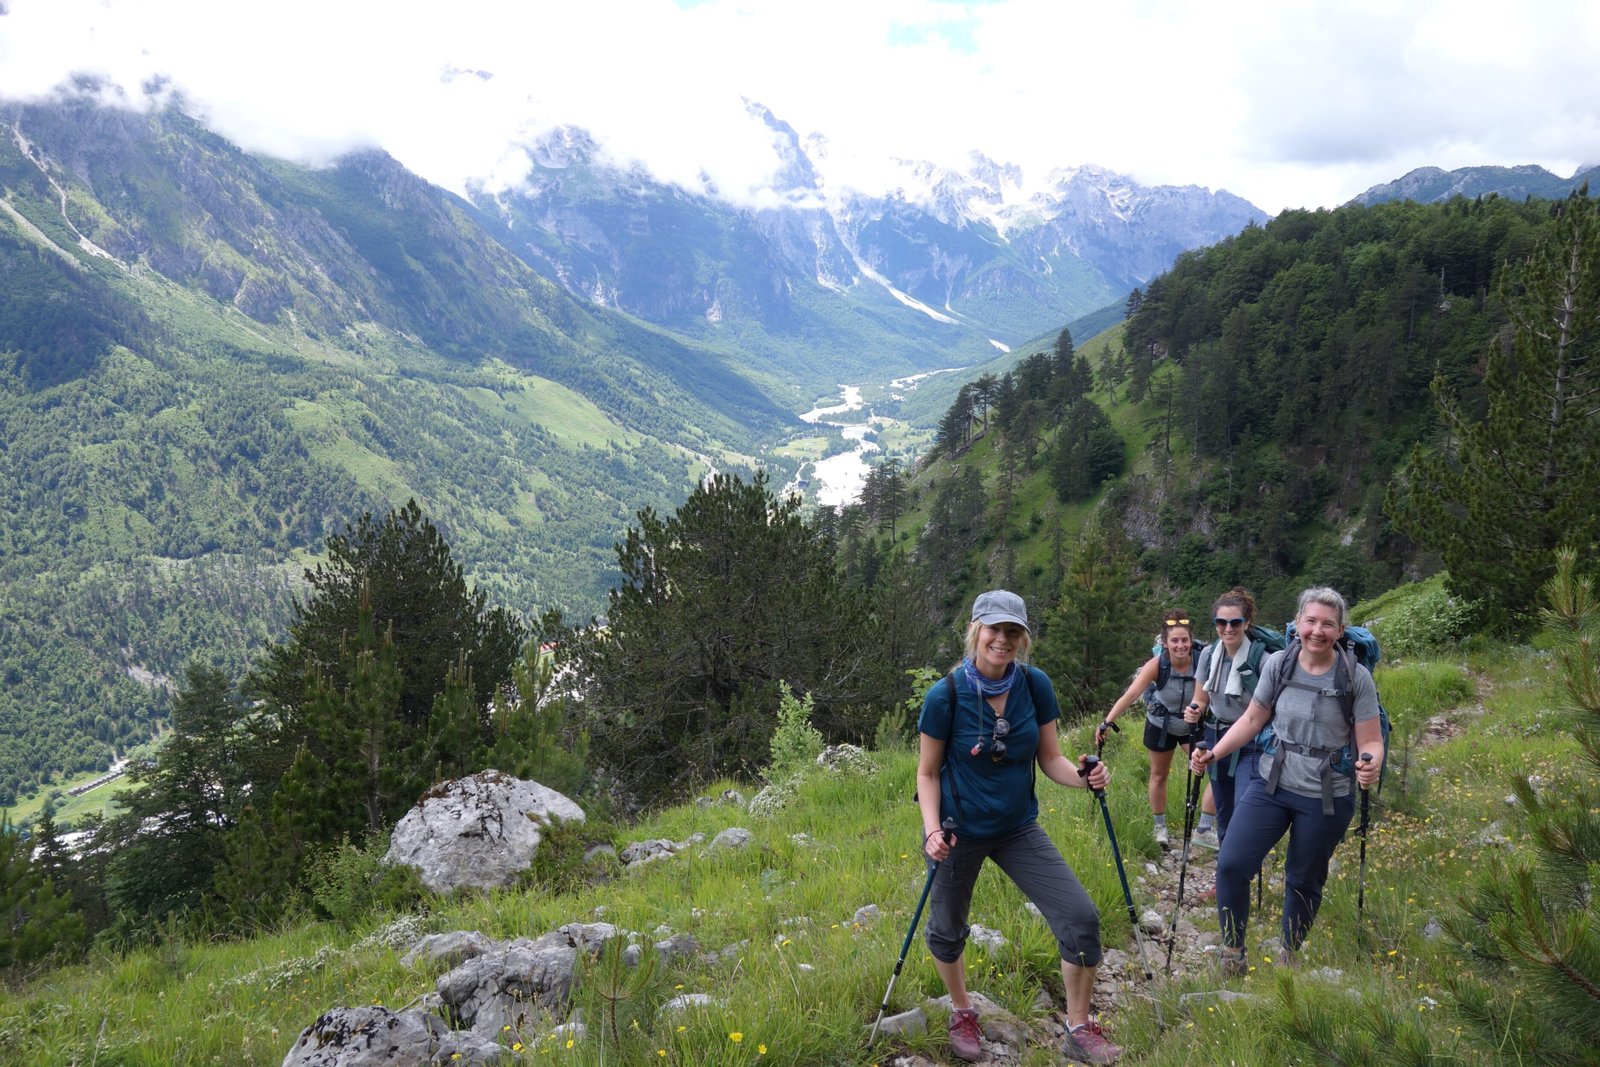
[949,827]
[1366,757]
[1089,764]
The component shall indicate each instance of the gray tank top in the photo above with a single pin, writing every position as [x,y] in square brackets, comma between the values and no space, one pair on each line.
[1173,696]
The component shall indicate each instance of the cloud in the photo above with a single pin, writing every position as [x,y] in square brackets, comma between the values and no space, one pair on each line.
[1285,102]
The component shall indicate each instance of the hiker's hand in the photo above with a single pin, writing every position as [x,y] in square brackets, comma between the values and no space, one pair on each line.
[1200,759]
[936,847]
[1367,771]
[1100,733]
[1097,778]
[1192,713]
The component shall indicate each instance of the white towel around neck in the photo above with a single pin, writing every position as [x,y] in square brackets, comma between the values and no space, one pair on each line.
[1234,686]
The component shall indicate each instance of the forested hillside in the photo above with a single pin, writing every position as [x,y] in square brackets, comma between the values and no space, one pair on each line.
[1263,396]
[210,362]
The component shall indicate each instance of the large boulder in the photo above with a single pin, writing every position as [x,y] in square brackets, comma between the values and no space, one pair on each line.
[521,983]
[479,831]
[369,1036]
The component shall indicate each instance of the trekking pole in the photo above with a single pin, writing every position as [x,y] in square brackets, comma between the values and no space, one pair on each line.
[1127,894]
[1191,800]
[1366,822]
[1100,736]
[949,826]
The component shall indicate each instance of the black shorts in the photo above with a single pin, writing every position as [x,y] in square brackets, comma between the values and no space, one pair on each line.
[1152,736]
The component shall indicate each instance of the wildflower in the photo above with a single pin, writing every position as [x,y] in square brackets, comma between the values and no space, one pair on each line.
[681,1029]
[569,1042]
[516,1046]
[761,1050]
[661,1052]
[736,1037]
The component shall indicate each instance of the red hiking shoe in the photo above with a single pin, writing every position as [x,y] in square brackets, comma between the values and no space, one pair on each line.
[966,1035]
[1088,1044]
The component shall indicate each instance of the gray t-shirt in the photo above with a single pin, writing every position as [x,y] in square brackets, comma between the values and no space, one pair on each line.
[1173,696]
[1314,719]
[1226,708]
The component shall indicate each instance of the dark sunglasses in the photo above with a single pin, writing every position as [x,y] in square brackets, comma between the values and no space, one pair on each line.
[997,747]
[1181,620]
[1227,624]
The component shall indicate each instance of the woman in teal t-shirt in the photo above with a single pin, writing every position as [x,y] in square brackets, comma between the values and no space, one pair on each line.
[984,730]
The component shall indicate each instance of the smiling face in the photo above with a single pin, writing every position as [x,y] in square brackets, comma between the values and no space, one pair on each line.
[996,647]
[1319,626]
[1180,643]
[1231,623]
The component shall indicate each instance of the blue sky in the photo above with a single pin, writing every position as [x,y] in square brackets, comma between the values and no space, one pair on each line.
[1285,102]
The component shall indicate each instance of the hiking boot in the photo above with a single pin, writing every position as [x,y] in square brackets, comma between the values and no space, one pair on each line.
[1234,965]
[966,1036]
[1088,1044]
[1161,836]
[1207,839]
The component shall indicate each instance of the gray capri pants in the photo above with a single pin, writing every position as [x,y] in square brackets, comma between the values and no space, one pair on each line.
[1032,861]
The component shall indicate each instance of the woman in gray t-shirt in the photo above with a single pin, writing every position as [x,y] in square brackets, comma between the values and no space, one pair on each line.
[1294,791]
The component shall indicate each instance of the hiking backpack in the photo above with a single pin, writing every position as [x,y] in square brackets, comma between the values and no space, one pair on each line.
[1164,672]
[1357,646]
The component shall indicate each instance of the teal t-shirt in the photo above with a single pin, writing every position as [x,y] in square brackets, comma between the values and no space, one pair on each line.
[996,798]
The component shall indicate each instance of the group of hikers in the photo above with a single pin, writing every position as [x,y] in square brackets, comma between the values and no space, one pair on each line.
[1269,722]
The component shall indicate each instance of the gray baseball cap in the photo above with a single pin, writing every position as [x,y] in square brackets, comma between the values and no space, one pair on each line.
[997,606]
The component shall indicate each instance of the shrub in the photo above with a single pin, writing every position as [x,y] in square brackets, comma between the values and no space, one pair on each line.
[348,882]
[796,744]
[1427,622]
[566,861]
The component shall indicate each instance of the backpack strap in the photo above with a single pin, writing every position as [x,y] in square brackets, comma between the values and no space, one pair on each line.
[1324,756]
[1033,764]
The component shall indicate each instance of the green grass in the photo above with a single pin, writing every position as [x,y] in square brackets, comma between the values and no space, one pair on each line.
[793,901]
[70,811]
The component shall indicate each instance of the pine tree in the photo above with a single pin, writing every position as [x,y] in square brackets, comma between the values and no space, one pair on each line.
[531,736]
[719,603]
[400,568]
[182,805]
[1508,490]
[35,920]
[1097,628]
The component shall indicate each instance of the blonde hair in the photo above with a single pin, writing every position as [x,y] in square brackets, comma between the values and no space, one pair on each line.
[969,644]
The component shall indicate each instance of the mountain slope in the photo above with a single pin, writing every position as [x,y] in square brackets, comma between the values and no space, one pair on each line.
[821,282]
[208,362]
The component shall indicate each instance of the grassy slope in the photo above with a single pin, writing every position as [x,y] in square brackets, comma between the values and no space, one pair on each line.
[245,1002]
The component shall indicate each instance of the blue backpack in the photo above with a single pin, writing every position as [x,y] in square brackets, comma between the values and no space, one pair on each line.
[1358,645]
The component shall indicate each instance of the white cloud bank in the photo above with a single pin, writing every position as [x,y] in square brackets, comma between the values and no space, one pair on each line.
[1285,103]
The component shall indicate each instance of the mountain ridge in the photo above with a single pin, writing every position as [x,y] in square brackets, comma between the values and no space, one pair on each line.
[1433,184]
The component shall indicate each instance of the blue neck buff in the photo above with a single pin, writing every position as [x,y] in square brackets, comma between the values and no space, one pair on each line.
[985,686]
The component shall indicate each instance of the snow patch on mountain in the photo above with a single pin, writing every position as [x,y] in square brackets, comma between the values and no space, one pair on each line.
[905,298]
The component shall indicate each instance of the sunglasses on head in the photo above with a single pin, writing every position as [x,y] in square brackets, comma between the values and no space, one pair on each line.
[1227,624]
[1181,620]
